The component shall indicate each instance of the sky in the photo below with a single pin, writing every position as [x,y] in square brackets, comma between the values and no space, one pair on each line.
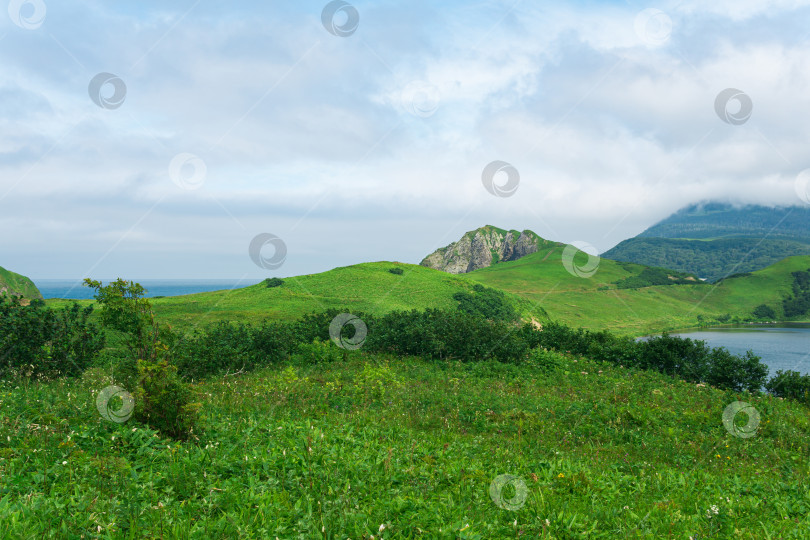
[244,140]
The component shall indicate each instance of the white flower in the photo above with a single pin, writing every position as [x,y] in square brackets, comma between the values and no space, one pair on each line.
[382,527]
[64,463]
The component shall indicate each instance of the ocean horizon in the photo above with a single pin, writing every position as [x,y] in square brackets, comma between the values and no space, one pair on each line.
[73,289]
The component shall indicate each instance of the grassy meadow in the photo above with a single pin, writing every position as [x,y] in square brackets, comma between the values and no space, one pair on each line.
[382,447]
[377,446]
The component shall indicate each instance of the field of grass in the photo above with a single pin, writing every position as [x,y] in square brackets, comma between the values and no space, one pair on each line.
[592,302]
[403,448]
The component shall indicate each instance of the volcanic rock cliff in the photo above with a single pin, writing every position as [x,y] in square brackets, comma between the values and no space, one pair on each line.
[483,247]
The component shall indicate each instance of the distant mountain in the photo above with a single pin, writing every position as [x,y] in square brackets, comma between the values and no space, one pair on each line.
[11,283]
[484,247]
[714,240]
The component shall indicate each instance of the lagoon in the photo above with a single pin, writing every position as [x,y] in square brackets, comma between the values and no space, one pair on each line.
[785,347]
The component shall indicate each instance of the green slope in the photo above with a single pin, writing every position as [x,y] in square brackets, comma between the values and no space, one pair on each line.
[367,287]
[13,283]
[596,303]
[538,284]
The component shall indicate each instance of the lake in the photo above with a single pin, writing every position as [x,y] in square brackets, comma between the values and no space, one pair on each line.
[73,289]
[785,347]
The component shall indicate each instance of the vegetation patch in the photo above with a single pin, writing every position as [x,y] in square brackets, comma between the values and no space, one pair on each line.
[649,277]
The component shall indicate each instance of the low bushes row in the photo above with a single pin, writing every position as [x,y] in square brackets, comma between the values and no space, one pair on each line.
[38,341]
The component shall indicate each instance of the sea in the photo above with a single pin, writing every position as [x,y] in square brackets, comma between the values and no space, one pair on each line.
[74,289]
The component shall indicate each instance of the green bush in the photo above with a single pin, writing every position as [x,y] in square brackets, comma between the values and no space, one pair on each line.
[316,352]
[764,312]
[397,271]
[226,347]
[163,400]
[273,282]
[38,341]
[486,302]
[791,385]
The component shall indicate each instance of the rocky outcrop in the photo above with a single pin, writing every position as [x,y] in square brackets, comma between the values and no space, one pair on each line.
[481,248]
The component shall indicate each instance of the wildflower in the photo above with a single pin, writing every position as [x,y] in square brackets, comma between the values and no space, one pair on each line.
[64,463]
[561,475]
[548,523]
[382,527]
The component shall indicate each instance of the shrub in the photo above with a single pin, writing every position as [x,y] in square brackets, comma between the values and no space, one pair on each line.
[273,282]
[763,311]
[397,271]
[316,352]
[486,302]
[38,341]
[442,335]
[163,400]
[226,347]
[791,385]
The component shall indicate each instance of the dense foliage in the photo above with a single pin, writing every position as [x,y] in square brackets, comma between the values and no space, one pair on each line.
[487,303]
[709,259]
[396,271]
[799,303]
[162,399]
[790,384]
[764,311]
[273,282]
[37,341]
[657,276]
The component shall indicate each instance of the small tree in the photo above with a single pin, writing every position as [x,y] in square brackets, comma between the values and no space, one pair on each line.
[162,400]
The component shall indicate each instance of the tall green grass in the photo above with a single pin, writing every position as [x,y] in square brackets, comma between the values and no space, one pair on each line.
[404,448]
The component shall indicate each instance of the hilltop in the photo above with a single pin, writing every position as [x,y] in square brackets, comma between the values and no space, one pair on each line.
[484,247]
[16,284]
[714,240]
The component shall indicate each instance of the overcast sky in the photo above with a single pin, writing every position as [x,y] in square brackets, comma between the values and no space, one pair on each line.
[360,132]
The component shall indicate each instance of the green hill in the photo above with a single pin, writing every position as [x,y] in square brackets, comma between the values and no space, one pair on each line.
[18,285]
[538,285]
[714,240]
[367,287]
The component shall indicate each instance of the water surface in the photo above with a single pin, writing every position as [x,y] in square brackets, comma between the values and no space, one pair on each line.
[73,289]
[785,347]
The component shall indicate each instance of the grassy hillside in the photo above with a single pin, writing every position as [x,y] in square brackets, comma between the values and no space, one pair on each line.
[367,287]
[17,284]
[403,448]
[538,284]
[596,303]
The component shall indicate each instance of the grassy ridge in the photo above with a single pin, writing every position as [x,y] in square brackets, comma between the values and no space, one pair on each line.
[367,287]
[538,284]
[17,284]
[339,450]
